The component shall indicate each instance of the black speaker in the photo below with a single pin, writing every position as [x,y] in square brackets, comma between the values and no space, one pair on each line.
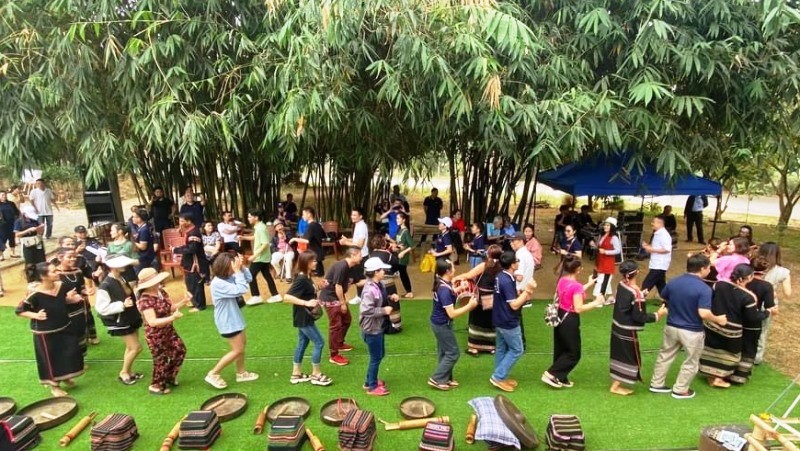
[102,202]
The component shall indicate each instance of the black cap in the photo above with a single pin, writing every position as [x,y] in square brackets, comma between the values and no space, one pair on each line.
[80,229]
[517,236]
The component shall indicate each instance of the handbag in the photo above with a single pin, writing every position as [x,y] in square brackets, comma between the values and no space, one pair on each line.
[428,263]
[551,317]
[31,241]
[240,301]
[316,311]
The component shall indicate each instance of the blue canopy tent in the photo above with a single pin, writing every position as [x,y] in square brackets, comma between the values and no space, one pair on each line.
[607,176]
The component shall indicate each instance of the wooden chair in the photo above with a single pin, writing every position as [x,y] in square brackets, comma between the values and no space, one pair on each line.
[167,258]
[170,234]
[328,227]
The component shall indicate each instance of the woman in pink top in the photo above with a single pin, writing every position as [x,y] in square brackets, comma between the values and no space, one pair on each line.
[737,252]
[567,335]
[532,244]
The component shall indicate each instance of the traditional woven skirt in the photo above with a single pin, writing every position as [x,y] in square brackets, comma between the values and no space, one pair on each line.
[626,360]
[393,323]
[723,350]
[481,333]
[78,323]
[749,349]
[58,356]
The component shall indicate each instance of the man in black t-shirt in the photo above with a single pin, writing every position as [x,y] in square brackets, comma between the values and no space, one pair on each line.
[313,237]
[290,208]
[333,298]
[162,209]
[433,210]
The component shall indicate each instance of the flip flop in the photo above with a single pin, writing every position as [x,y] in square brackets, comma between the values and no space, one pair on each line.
[137,376]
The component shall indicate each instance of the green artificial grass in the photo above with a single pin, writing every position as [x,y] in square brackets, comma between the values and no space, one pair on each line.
[641,421]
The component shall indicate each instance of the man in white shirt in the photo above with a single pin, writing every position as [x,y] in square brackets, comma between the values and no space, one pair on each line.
[229,230]
[43,200]
[660,251]
[524,272]
[359,240]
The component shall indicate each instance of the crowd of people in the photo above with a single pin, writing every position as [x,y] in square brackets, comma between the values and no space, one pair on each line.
[718,311]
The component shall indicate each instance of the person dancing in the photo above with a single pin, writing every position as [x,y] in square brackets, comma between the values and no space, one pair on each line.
[58,355]
[481,333]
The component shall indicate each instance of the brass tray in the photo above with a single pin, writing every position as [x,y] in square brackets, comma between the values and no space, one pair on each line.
[51,412]
[227,405]
[334,411]
[417,407]
[7,407]
[291,406]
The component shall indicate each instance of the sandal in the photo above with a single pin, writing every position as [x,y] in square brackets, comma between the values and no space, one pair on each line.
[298,378]
[408,296]
[129,381]
[154,390]
[216,381]
[137,376]
[246,376]
[472,352]
[57,392]
[438,386]
[321,379]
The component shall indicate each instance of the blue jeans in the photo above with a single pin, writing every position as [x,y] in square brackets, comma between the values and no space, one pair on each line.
[304,336]
[48,222]
[376,352]
[509,350]
[474,260]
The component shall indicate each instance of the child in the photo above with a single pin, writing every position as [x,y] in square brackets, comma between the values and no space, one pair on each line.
[442,316]
[373,297]
[476,247]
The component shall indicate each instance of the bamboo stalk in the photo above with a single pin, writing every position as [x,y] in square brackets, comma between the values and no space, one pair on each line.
[77,429]
[258,428]
[315,442]
[166,445]
[414,424]
[472,426]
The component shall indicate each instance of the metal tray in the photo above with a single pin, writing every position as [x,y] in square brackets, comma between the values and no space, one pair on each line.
[291,406]
[7,407]
[227,405]
[333,412]
[416,407]
[51,412]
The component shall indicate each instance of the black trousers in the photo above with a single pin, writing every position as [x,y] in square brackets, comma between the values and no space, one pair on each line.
[566,346]
[404,279]
[195,284]
[655,278]
[263,268]
[695,219]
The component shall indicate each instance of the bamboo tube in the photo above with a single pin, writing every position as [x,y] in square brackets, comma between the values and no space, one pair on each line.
[166,445]
[262,418]
[471,427]
[77,429]
[316,443]
[414,424]
[754,443]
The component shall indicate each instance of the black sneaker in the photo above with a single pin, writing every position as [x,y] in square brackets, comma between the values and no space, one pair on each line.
[689,394]
[660,389]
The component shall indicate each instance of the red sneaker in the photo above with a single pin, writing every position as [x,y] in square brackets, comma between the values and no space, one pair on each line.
[339,360]
[346,347]
[381,383]
[378,391]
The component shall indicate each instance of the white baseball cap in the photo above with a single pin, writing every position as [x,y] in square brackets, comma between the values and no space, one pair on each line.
[447,222]
[374,264]
[612,221]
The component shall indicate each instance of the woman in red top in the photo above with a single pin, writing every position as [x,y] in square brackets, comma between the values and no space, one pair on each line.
[607,251]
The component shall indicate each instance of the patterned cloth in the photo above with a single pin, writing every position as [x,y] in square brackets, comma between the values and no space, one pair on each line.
[165,344]
[490,426]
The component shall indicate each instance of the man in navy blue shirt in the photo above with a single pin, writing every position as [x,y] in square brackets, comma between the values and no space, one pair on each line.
[689,301]
[506,318]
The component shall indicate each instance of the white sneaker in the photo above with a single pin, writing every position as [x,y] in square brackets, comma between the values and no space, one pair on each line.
[528,304]
[246,376]
[275,299]
[355,301]
[255,300]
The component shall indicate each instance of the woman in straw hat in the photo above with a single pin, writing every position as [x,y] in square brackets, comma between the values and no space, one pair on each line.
[116,305]
[165,344]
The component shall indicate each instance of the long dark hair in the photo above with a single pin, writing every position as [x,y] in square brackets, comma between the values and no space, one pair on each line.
[493,254]
[304,261]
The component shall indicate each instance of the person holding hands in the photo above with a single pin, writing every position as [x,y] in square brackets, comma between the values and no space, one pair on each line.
[442,316]
[373,309]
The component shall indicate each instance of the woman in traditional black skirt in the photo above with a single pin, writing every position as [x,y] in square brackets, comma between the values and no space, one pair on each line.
[723,344]
[630,316]
[481,333]
[751,331]
[382,249]
[58,356]
[72,278]
[116,304]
